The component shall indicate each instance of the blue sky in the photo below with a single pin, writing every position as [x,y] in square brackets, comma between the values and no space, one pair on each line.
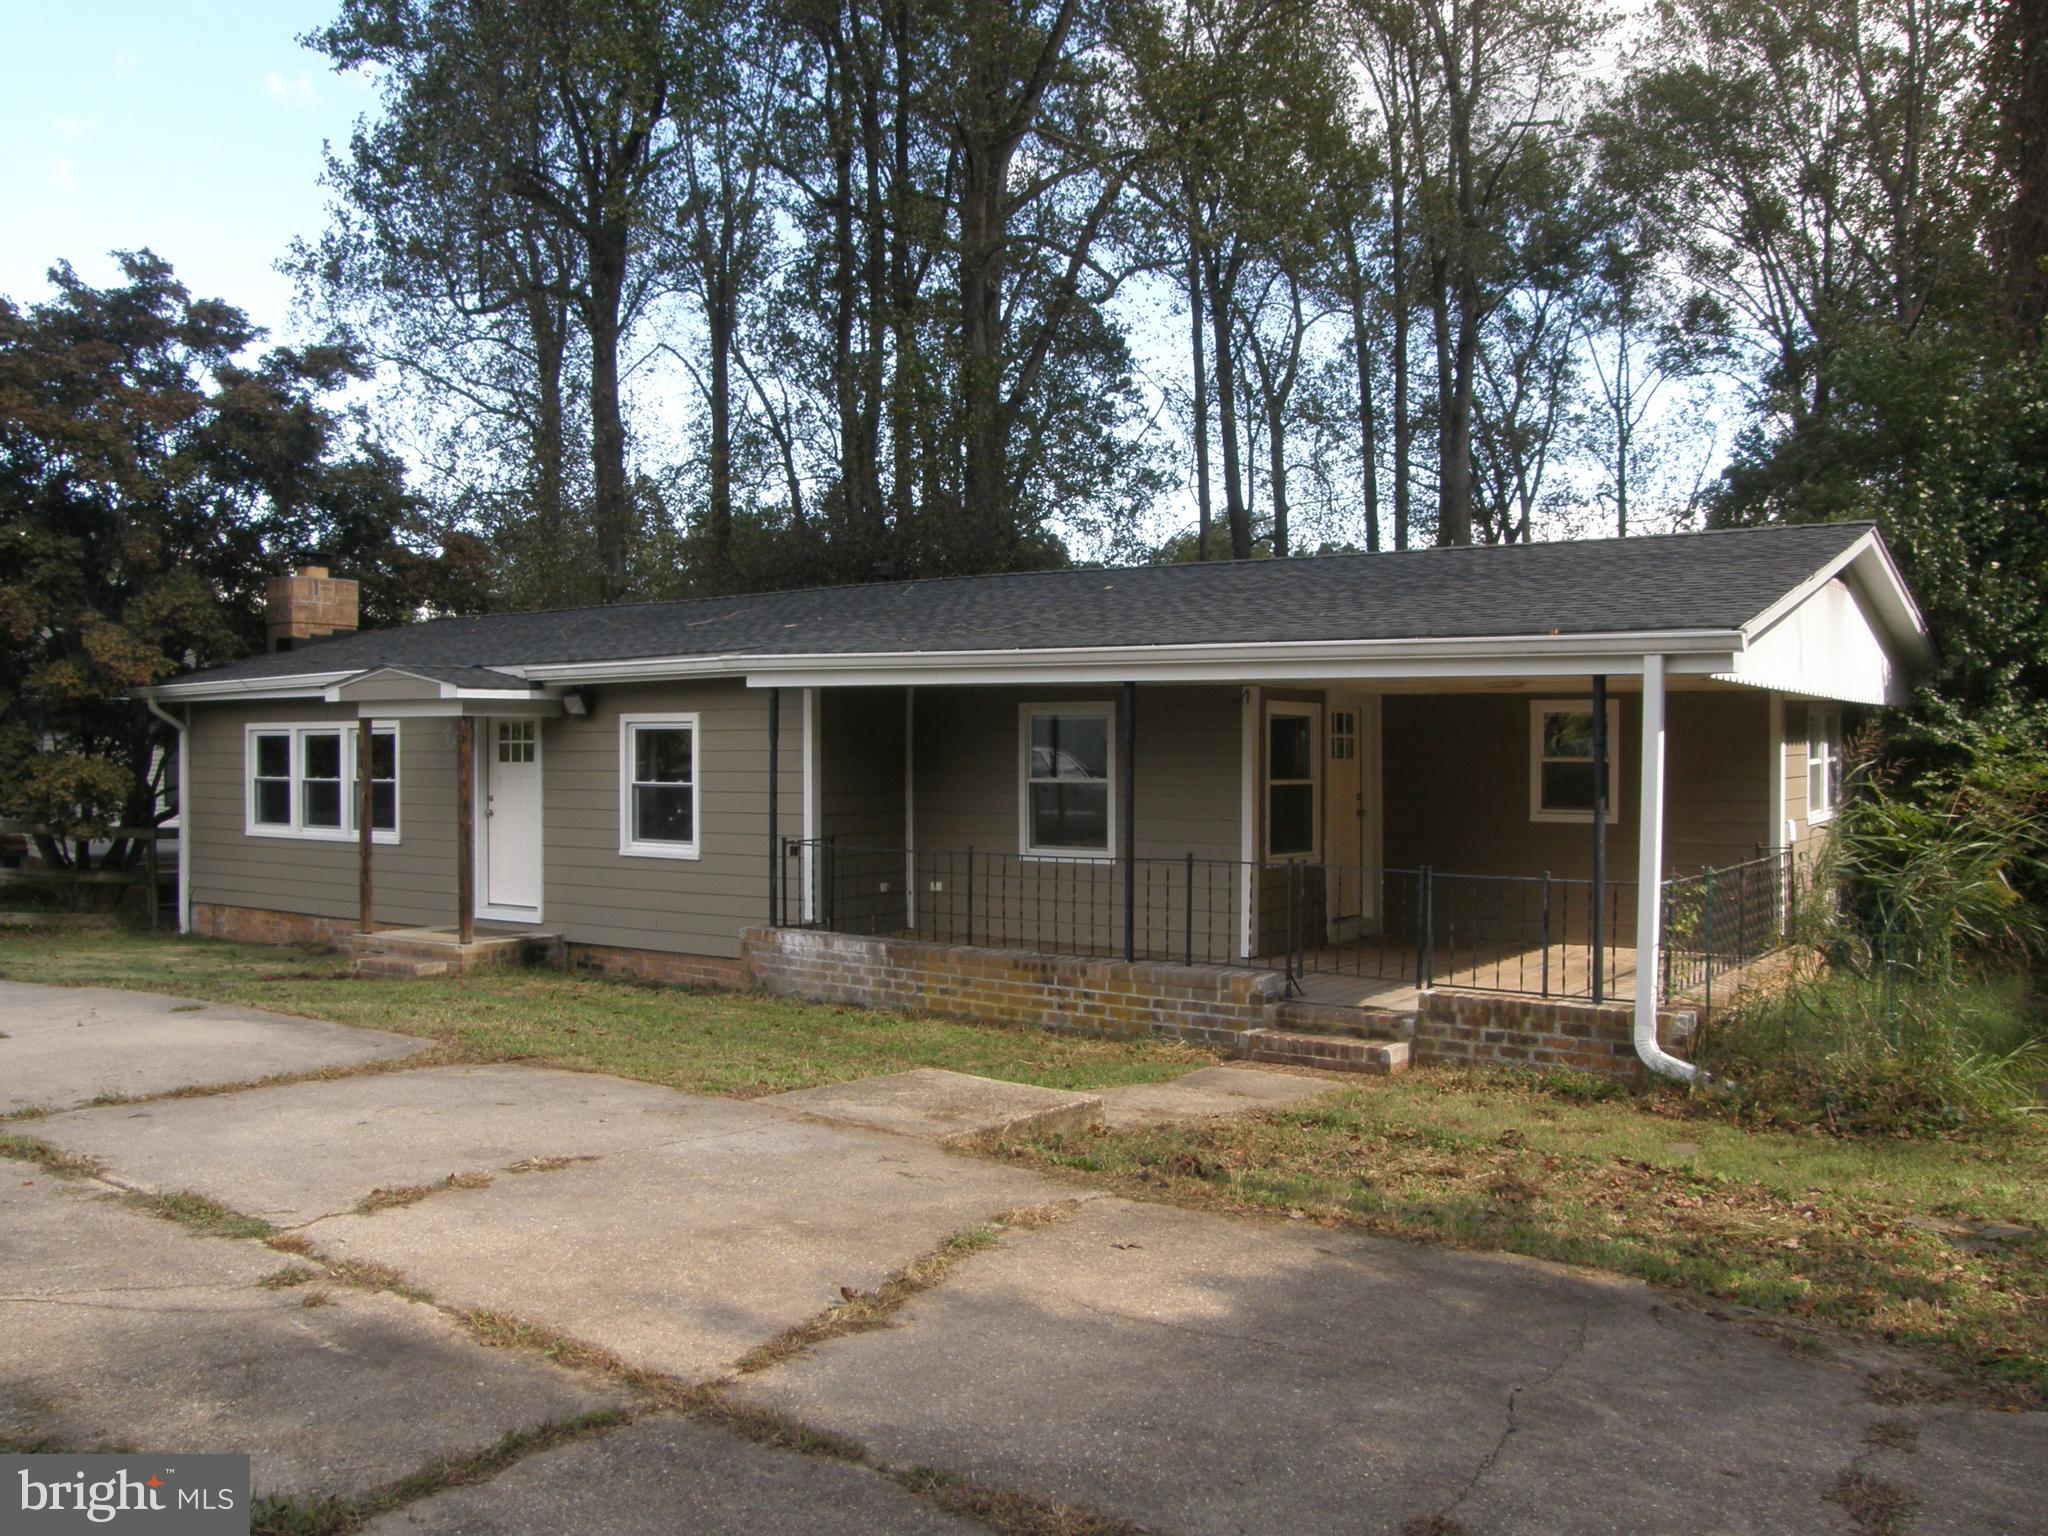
[195,130]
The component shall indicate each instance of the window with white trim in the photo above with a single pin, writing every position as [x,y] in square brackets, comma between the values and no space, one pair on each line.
[1823,762]
[301,781]
[1292,785]
[658,786]
[1343,735]
[1066,802]
[1561,760]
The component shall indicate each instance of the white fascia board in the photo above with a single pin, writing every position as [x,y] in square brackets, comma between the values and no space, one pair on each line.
[1869,566]
[1699,651]
[307,685]
[1270,670]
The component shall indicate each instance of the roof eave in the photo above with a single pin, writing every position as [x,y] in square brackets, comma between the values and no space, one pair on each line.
[1503,656]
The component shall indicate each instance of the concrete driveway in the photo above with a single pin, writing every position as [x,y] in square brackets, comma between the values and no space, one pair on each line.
[1169,1369]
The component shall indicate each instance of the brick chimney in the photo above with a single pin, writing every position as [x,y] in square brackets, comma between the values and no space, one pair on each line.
[308,605]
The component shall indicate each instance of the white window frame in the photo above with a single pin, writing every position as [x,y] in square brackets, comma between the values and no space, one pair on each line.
[1028,849]
[1538,708]
[1341,735]
[296,731]
[637,848]
[1314,714]
[1824,751]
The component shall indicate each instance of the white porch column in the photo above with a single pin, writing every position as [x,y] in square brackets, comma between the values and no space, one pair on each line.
[1650,880]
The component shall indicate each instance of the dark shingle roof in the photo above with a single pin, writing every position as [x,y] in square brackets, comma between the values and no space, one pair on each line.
[1717,580]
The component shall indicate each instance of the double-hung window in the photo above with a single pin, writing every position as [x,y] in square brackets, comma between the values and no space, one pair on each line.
[658,786]
[1067,805]
[1292,786]
[301,781]
[1823,762]
[1561,760]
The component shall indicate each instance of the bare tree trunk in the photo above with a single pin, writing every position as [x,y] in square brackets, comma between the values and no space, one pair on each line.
[611,513]
[1201,401]
[1368,427]
[1221,279]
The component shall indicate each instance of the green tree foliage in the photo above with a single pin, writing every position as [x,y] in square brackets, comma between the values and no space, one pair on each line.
[153,474]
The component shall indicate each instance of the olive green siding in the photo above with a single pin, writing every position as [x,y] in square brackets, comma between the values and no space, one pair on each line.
[969,764]
[1457,786]
[596,895]
[415,877]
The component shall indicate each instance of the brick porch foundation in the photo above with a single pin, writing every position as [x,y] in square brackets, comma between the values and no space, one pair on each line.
[1501,1029]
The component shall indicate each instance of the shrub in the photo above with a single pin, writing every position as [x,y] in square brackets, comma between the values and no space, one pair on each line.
[1884,1054]
[1924,909]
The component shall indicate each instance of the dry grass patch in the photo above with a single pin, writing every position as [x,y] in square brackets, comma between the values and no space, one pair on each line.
[382,1199]
[1877,1508]
[547,1164]
[65,1165]
[1809,1229]
[862,1311]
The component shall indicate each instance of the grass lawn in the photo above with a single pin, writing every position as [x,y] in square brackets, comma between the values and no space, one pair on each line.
[1813,1228]
[1810,1227]
[708,1042]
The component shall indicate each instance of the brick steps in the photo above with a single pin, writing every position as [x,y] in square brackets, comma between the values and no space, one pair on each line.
[1357,1023]
[1332,1053]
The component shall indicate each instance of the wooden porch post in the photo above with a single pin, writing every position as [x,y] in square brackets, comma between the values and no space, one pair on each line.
[366,902]
[465,830]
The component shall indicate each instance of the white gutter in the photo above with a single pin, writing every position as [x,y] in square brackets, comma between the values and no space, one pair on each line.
[1650,881]
[304,684]
[184,821]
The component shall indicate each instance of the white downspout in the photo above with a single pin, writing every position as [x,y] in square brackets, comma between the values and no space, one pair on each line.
[1650,881]
[184,821]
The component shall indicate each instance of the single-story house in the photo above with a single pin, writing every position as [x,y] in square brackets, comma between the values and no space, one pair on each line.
[1578,775]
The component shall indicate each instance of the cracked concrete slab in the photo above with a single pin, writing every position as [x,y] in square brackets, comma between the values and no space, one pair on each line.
[120,1329]
[672,1477]
[684,1255]
[1200,1374]
[61,1046]
[303,1150]
[937,1105]
[1210,1094]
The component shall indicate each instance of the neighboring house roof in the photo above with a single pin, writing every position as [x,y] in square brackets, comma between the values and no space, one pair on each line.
[1703,585]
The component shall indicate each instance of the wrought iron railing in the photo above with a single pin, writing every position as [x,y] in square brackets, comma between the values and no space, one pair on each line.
[1320,924]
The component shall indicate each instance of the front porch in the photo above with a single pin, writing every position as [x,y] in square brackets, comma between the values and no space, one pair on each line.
[1604,842]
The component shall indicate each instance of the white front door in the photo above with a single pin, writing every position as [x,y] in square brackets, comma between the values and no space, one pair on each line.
[511,795]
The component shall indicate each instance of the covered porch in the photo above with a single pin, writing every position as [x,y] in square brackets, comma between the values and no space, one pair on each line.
[1365,839]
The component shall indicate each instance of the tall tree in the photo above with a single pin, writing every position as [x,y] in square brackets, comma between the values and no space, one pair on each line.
[152,474]
[566,103]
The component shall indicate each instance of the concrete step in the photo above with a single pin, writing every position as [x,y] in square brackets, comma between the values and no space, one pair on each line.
[1333,1053]
[398,968]
[1357,1023]
[431,946]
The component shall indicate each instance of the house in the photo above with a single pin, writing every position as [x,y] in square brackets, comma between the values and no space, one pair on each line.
[1511,799]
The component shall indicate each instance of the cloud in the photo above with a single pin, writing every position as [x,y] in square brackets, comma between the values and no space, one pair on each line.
[126,62]
[71,129]
[297,92]
[64,175]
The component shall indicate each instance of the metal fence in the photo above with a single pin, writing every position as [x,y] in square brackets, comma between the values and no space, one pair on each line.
[1315,922]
